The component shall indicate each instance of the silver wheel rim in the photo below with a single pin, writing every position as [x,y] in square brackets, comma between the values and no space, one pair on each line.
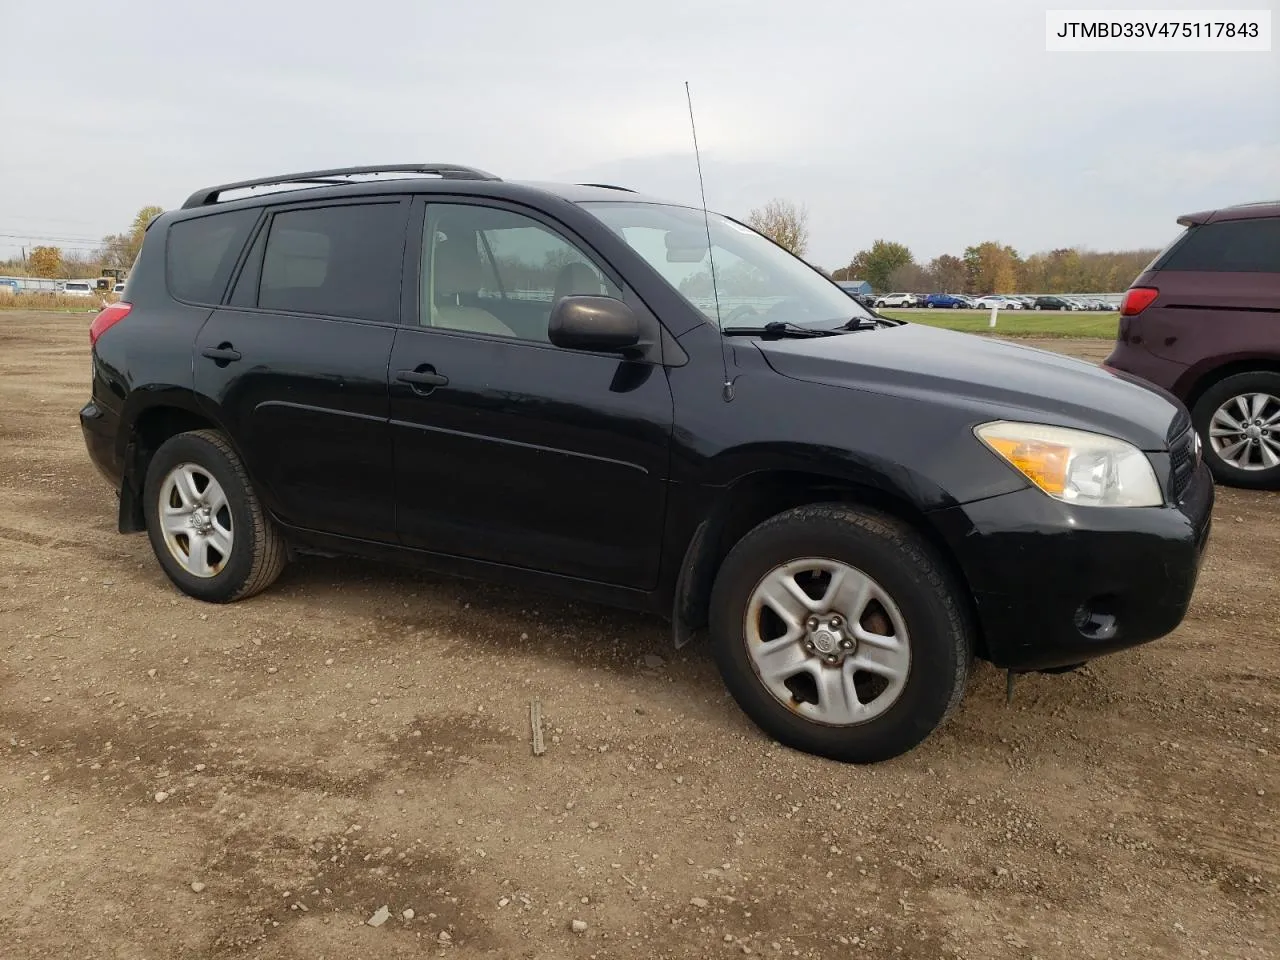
[1245,431]
[827,641]
[195,519]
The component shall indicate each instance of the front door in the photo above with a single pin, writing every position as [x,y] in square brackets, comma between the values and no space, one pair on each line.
[296,364]
[507,448]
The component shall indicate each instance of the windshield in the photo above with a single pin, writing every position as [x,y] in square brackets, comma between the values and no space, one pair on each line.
[758,282]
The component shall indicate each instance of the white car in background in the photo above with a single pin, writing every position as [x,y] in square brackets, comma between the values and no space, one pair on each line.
[897,300]
[997,300]
[78,288]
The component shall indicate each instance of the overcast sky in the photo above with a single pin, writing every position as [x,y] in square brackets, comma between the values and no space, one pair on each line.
[933,122]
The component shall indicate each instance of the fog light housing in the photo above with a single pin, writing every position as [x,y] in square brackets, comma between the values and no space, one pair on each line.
[1096,619]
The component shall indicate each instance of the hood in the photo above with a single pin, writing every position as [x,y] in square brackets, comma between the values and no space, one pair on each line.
[994,379]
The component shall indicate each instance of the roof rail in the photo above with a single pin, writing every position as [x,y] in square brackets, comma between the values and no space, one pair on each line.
[446,171]
[607,186]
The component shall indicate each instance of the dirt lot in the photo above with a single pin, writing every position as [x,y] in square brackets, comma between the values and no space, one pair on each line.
[182,780]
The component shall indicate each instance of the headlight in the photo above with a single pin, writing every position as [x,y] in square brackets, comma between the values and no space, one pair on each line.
[1074,466]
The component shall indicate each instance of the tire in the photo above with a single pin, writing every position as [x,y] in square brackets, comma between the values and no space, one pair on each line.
[256,553]
[929,305]
[927,614]
[955,306]
[1259,383]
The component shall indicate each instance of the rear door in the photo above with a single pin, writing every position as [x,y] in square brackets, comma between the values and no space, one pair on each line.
[295,364]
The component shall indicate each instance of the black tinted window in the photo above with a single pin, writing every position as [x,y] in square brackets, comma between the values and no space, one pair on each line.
[1244,246]
[335,261]
[201,253]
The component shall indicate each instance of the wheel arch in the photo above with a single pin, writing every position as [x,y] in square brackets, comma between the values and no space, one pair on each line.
[1205,380]
[147,426]
[754,498]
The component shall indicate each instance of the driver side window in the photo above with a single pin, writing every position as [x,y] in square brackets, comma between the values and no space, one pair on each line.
[487,270]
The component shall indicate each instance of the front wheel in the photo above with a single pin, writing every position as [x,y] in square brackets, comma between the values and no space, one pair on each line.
[206,526]
[1238,420]
[840,632]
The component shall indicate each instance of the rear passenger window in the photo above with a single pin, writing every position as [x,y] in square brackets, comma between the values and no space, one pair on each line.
[342,261]
[202,252]
[1243,246]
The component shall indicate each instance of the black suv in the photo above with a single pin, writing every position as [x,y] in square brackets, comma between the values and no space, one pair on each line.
[582,389]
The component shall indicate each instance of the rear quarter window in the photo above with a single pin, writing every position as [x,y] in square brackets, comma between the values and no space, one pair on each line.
[1228,246]
[202,252]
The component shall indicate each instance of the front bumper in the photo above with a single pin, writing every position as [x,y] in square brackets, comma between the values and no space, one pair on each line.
[1056,585]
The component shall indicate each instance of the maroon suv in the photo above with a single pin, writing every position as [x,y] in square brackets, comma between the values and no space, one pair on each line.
[1203,322]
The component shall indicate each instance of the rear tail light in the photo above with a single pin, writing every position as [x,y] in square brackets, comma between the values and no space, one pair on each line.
[107,319]
[1137,299]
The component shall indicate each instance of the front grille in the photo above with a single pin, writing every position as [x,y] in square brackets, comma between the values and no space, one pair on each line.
[1182,455]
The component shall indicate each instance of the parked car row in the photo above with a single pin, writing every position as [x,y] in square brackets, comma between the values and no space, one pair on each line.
[958,301]
[85,288]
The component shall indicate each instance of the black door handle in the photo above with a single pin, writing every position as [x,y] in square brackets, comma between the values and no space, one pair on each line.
[223,353]
[423,377]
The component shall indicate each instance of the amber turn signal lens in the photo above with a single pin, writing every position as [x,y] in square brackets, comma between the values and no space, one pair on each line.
[1043,463]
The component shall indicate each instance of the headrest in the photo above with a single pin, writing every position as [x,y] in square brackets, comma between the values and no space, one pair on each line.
[457,266]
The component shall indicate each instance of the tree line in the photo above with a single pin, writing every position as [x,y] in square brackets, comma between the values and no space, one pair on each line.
[993,267]
[117,251]
[988,267]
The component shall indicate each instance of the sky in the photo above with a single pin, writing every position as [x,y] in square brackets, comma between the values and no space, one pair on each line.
[936,123]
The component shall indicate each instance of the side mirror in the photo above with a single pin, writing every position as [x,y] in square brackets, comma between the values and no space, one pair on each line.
[593,323]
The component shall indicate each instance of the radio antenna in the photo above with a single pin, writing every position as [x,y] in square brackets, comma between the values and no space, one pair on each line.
[711,259]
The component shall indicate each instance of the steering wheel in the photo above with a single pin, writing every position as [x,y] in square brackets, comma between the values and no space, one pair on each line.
[741,310]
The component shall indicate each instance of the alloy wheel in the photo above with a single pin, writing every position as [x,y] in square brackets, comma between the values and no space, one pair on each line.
[827,641]
[1245,431]
[195,519]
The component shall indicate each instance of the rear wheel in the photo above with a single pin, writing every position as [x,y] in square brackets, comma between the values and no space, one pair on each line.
[1238,420]
[840,632]
[206,526]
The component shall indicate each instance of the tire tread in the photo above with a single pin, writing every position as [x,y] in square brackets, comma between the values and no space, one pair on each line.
[913,545]
[927,567]
[270,551]
[268,548]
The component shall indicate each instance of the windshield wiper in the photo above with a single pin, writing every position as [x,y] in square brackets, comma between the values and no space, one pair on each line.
[873,322]
[780,328]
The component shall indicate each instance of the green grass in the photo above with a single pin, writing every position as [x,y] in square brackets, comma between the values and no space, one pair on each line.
[1017,323]
[48,303]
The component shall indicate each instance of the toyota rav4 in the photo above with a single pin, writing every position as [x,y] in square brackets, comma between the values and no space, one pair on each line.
[585,390]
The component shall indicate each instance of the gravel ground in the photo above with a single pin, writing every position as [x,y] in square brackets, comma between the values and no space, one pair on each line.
[260,780]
